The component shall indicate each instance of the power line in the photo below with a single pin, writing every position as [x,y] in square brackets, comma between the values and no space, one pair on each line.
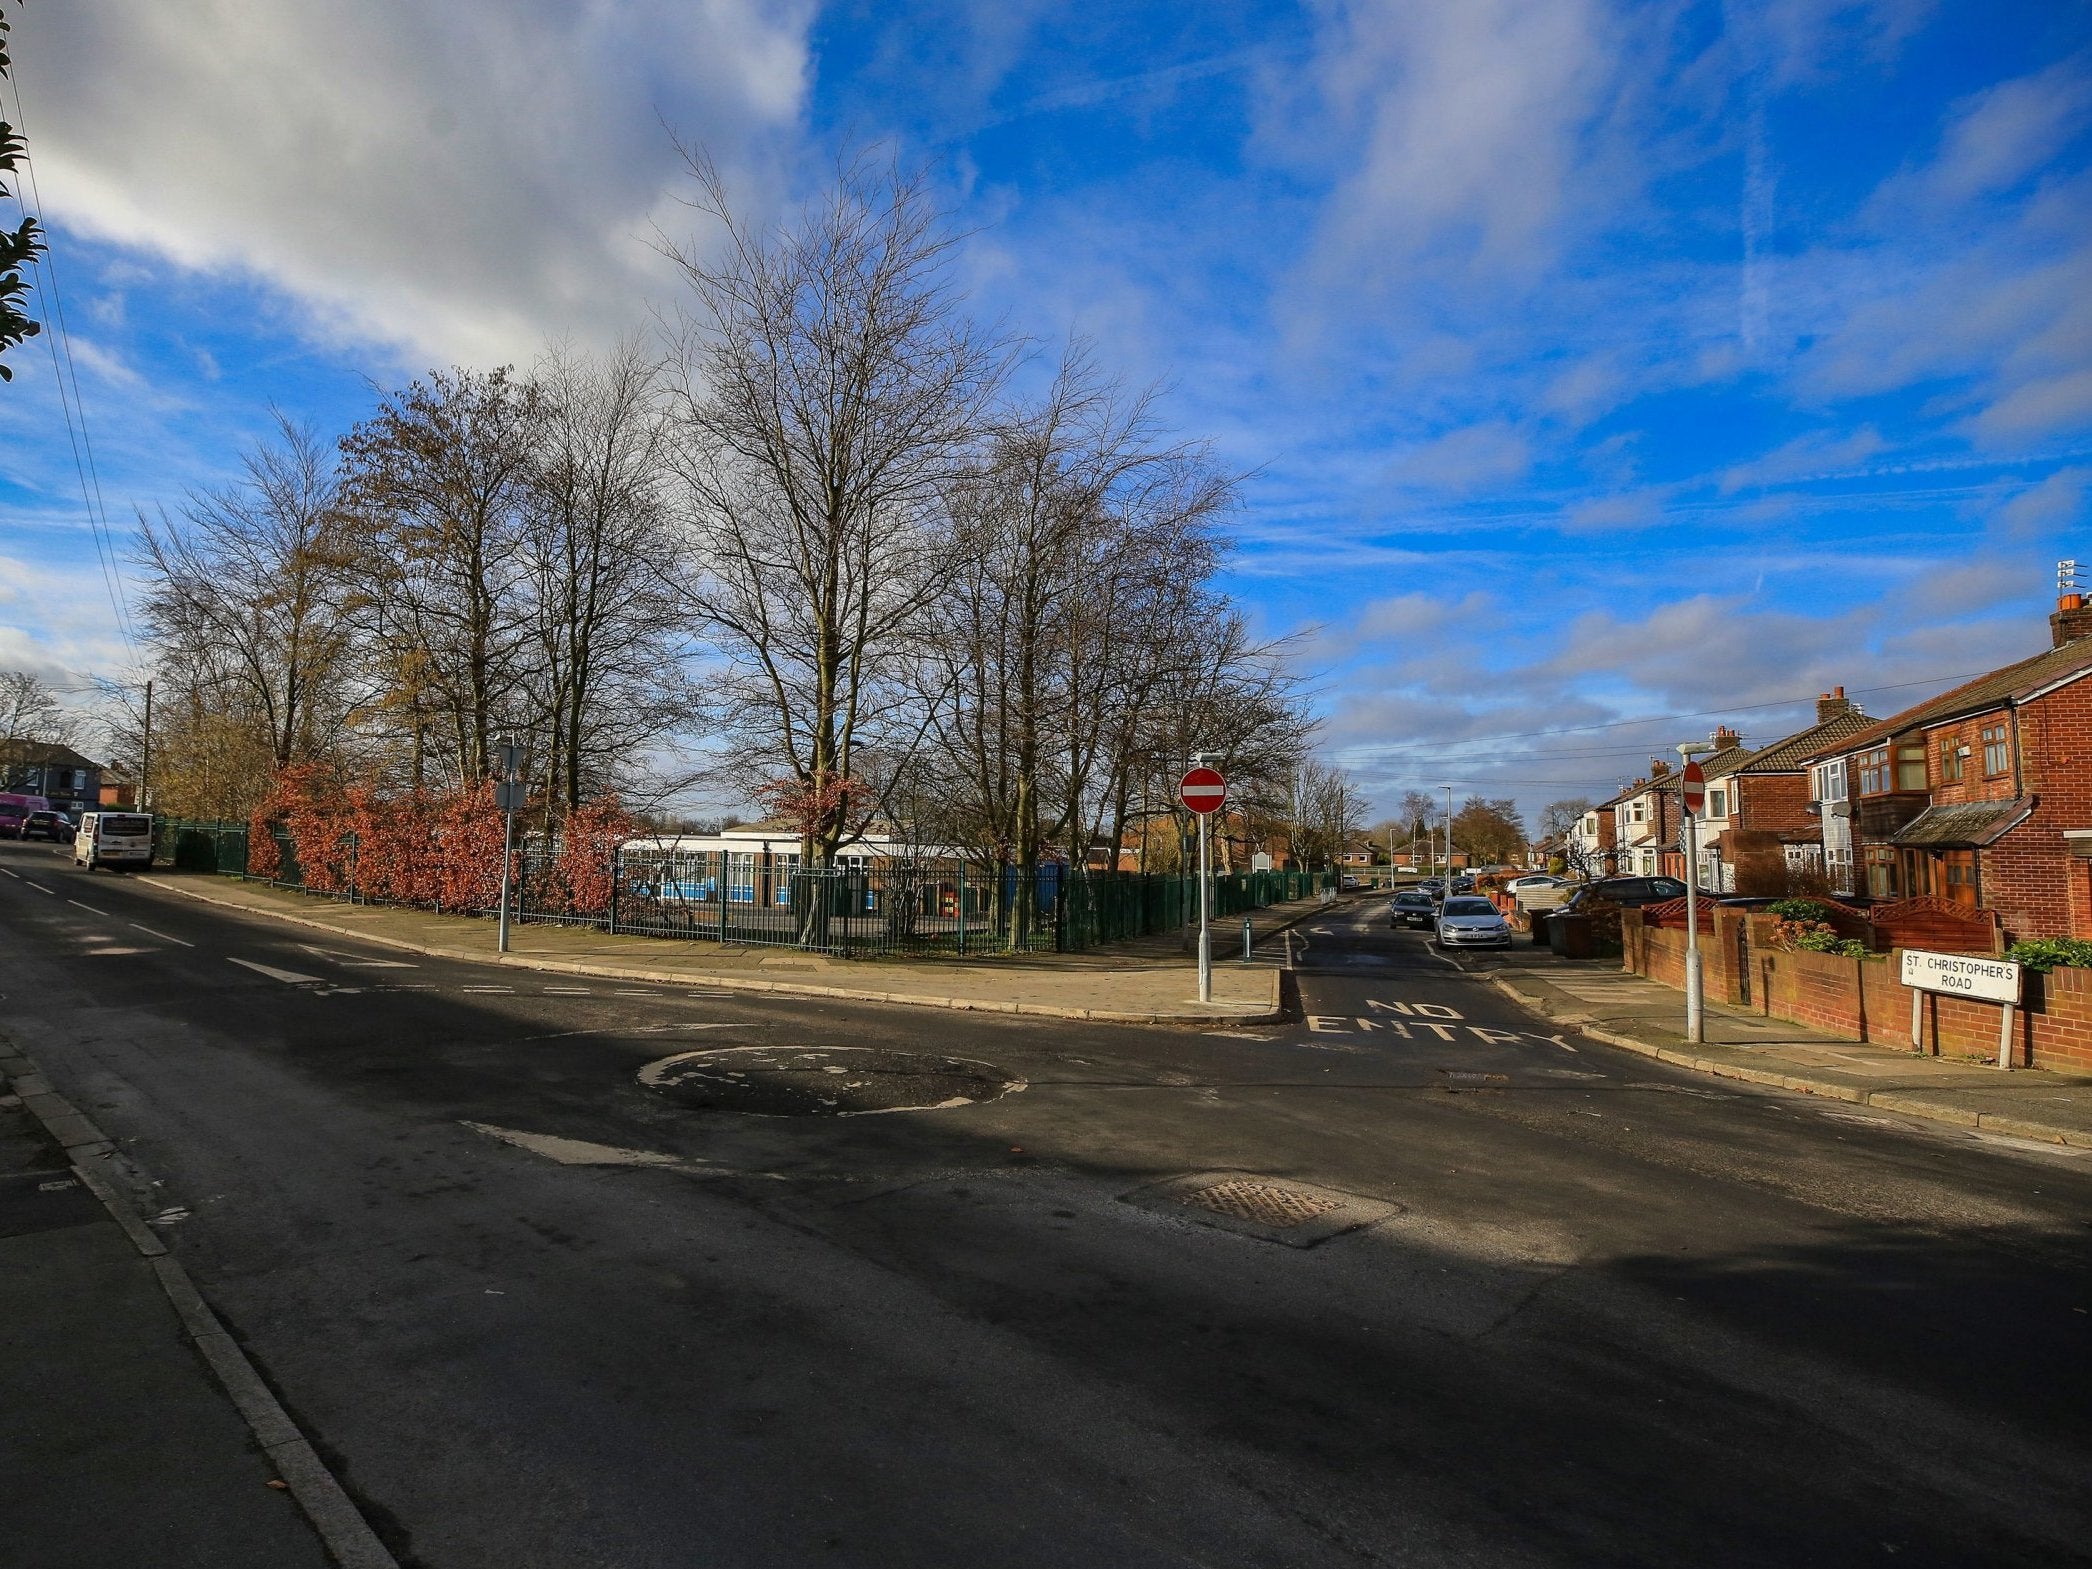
[70,404]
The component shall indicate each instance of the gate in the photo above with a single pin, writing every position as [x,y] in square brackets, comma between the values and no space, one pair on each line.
[1743,959]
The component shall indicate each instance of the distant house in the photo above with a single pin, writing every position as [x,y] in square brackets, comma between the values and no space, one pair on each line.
[1758,809]
[1981,796]
[70,782]
[1589,847]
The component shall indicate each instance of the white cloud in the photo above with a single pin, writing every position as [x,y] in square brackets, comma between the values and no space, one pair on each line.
[1818,455]
[2058,500]
[1465,461]
[459,180]
[1473,123]
[2007,132]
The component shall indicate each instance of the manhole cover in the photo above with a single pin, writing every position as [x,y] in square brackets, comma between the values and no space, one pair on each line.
[822,1081]
[1295,1213]
[1261,1202]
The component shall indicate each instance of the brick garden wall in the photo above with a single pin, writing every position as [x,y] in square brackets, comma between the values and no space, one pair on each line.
[1862,998]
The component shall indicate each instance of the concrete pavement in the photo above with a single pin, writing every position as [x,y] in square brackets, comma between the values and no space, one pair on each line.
[1639,1015]
[134,1431]
[1149,981]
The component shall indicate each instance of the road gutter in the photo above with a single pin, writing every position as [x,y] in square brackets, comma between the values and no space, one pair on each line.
[342,1530]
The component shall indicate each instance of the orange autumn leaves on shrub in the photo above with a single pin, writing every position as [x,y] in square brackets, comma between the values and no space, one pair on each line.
[440,851]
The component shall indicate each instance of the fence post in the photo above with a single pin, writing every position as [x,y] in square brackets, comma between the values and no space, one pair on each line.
[962,909]
[617,875]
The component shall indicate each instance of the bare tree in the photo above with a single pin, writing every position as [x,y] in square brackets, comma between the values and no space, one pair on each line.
[247,598]
[30,710]
[607,679]
[441,479]
[1329,811]
[1052,631]
[1558,817]
[829,393]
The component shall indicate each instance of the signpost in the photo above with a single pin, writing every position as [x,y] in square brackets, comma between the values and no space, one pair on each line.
[1692,792]
[1962,975]
[508,799]
[1203,791]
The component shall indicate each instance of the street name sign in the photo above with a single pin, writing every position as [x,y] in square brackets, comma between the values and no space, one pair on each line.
[1694,787]
[1961,975]
[1203,790]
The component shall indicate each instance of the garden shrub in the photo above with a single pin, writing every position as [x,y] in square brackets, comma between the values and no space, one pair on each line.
[2043,954]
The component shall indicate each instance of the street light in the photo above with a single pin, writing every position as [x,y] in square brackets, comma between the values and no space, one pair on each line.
[1448,889]
[1695,1006]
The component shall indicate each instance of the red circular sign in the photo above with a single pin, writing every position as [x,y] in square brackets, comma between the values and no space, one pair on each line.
[1695,786]
[1203,790]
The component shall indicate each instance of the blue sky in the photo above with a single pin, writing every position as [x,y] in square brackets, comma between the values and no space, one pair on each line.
[1586,361]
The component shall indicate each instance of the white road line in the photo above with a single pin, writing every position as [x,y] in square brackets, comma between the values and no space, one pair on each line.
[90,909]
[40,888]
[17,876]
[499,990]
[162,935]
[630,993]
[568,991]
[289,977]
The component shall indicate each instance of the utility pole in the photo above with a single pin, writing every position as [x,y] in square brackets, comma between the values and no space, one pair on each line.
[145,762]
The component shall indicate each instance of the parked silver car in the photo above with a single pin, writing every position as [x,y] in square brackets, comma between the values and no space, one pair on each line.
[1472,923]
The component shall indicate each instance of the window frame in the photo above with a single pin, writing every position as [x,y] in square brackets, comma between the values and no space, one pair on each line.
[1951,765]
[1998,738]
[1874,772]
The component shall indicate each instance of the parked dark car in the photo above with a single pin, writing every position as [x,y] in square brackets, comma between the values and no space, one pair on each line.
[1463,884]
[1633,892]
[1412,907]
[54,826]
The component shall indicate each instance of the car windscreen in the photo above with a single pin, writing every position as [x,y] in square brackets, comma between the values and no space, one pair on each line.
[1469,907]
[126,827]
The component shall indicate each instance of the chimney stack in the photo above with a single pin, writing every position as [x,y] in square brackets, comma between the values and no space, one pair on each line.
[1724,738]
[2072,620]
[1831,704]
[1658,768]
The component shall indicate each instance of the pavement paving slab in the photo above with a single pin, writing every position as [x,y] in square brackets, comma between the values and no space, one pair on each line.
[117,1444]
[1641,1015]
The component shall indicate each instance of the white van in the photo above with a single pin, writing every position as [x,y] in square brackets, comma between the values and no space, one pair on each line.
[114,839]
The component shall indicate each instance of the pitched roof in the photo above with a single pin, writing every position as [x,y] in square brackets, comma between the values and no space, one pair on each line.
[43,754]
[1787,756]
[1986,691]
[1728,760]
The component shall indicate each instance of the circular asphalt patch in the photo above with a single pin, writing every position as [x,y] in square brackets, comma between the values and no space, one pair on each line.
[822,1081]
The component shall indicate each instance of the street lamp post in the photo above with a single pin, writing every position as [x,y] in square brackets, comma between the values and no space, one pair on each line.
[1695,1003]
[1448,890]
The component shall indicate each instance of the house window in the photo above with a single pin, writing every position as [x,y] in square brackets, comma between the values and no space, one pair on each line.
[1874,771]
[1950,760]
[1910,766]
[1997,757]
[1634,812]
[1881,871]
[1717,803]
[1830,782]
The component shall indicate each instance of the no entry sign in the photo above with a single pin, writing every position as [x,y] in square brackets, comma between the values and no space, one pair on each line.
[1203,790]
[1694,787]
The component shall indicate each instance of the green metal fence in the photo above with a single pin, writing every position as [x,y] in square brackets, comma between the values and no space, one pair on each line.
[869,908]
[190,845]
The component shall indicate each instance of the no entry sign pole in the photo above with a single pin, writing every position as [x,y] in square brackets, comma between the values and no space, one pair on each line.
[1692,793]
[1204,791]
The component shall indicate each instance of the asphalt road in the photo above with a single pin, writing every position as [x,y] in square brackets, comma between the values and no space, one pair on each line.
[1604,1312]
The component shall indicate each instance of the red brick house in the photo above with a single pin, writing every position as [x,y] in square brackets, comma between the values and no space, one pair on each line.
[1767,797]
[1982,796]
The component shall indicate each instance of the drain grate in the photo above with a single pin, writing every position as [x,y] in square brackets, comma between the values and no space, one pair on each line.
[1260,1202]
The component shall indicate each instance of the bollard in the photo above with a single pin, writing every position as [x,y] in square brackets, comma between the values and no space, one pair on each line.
[1245,939]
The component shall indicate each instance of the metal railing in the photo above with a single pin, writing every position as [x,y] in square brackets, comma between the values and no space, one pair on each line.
[866,908]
